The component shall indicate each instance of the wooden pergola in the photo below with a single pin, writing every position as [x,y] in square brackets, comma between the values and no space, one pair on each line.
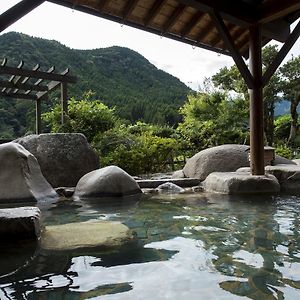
[34,84]
[238,28]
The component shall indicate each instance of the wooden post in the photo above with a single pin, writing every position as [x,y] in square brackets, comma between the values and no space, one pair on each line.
[256,104]
[38,120]
[64,101]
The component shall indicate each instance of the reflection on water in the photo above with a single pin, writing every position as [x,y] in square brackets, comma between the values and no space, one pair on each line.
[196,246]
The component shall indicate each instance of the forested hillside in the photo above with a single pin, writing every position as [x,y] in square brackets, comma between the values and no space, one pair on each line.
[118,77]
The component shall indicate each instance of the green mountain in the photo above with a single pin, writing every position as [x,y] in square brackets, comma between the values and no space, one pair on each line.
[118,76]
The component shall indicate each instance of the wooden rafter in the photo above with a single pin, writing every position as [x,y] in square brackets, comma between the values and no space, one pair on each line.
[192,23]
[282,54]
[240,63]
[129,8]
[174,17]
[153,11]
[273,10]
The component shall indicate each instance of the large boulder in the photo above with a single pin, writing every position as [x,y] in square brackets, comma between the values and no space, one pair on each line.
[63,157]
[225,158]
[21,178]
[85,235]
[109,181]
[241,183]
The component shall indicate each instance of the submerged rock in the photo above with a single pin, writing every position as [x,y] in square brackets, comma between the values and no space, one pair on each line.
[63,157]
[240,183]
[110,181]
[85,235]
[21,178]
[19,223]
[170,188]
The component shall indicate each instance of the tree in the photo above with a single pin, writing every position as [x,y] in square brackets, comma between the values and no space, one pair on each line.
[87,117]
[229,79]
[211,120]
[291,86]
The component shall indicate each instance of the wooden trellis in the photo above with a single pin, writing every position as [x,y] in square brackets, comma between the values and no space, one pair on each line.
[33,84]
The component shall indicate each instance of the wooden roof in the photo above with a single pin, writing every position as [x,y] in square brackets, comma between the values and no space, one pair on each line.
[196,22]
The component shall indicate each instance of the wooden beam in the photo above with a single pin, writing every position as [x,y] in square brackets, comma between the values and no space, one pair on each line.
[129,8]
[18,96]
[11,79]
[229,43]
[238,12]
[17,12]
[22,86]
[204,33]
[174,17]
[154,11]
[38,116]
[64,102]
[37,74]
[281,54]
[273,9]
[256,104]
[192,23]
[101,4]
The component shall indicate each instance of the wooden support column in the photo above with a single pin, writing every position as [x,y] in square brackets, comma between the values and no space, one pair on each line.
[256,104]
[64,101]
[38,119]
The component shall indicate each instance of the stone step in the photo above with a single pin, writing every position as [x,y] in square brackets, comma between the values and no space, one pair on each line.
[19,223]
[154,183]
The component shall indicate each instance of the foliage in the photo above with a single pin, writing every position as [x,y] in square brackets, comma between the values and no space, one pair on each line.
[291,87]
[87,117]
[210,120]
[230,79]
[137,152]
[282,128]
[284,151]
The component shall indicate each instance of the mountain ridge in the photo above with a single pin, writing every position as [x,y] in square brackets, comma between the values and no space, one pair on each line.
[118,76]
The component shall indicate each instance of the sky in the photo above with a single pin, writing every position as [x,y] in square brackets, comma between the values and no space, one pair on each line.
[82,31]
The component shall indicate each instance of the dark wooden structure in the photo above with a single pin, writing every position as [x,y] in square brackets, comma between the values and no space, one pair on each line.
[238,28]
[20,83]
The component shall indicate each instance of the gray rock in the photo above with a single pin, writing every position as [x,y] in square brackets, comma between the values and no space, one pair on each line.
[240,183]
[296,161]
[85,235]
[178,174]
[225,158]
[170,188]
[21,179]
[288,177]
[20,223]
[63,157]
[182,182]
[279,160]
[66,192]
[110,181]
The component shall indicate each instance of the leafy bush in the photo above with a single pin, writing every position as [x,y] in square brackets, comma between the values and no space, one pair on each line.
[136,153]
[284,151]
[87,117]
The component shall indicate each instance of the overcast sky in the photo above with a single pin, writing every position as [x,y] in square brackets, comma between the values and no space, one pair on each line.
[82,31]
